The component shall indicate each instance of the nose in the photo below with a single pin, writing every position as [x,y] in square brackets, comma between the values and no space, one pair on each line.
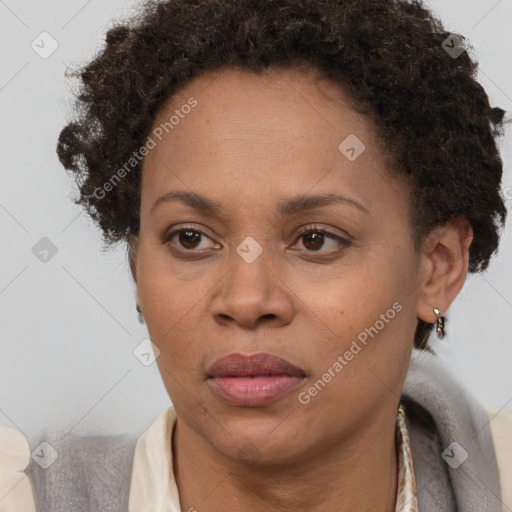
[252,293]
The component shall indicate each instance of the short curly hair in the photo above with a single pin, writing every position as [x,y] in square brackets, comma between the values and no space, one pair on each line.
[390,56]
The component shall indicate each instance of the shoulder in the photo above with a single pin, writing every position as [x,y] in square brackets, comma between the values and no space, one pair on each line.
[500,423]
[16,493]
[71,472]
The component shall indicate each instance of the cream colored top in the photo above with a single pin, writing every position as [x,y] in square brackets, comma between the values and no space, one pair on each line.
[16,493]
[501,430]
[153,488]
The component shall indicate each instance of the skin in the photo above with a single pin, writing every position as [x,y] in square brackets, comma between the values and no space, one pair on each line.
[252,141]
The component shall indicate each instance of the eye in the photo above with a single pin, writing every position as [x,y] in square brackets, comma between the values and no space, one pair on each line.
[316,237]
[188,238]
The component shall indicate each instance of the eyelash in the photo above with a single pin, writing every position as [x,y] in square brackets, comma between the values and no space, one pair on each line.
[343,242]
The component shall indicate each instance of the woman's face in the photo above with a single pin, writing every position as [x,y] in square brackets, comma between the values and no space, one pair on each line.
[243,279]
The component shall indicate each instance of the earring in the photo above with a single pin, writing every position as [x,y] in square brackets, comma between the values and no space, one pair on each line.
[439,324]
[139,310]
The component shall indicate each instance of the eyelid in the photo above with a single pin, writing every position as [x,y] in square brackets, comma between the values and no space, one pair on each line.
[175,229]
[343,240]
[315,227]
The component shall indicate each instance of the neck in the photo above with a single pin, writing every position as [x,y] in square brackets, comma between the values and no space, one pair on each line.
[355,473]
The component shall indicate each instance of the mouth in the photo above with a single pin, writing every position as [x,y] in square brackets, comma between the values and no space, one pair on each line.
[254,380]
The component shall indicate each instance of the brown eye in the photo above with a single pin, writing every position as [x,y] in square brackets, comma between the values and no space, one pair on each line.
[186,239]
[314,239]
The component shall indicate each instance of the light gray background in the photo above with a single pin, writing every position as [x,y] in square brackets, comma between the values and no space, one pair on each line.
[69,326]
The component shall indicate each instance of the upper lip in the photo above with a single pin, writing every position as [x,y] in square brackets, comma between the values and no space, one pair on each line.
[239,365]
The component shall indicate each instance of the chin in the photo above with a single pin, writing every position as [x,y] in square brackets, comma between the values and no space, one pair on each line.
[265,441]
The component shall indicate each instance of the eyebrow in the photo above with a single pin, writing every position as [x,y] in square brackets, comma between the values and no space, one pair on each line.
[285,208]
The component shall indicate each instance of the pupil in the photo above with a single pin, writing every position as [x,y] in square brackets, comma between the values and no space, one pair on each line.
[189,237]
[314,237]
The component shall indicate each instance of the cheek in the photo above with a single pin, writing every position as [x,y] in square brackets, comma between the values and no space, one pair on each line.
[362,359]
[168,307]
[164,301]
[367,317]
[174,310]
[164,295]
[357,297]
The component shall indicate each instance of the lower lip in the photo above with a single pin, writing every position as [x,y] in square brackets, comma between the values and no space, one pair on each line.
[254,391]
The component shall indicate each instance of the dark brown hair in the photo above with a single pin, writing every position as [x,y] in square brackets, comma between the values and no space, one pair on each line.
[389,55]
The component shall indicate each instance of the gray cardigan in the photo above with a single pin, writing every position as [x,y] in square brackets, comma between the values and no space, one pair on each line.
[453,454]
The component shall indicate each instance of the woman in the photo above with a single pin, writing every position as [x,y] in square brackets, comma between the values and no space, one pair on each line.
[302,186]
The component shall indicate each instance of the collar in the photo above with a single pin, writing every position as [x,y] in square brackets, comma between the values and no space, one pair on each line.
[406,497]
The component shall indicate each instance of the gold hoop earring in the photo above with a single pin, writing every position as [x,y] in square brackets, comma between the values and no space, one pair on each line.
[439,324]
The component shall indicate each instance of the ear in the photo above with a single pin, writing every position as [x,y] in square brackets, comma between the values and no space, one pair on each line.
[443,267]
[133,246]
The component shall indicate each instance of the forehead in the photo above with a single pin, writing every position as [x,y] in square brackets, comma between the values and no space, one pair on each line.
[304,89]
[283,130]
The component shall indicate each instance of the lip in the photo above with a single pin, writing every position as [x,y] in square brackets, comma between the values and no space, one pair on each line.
[253,380]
